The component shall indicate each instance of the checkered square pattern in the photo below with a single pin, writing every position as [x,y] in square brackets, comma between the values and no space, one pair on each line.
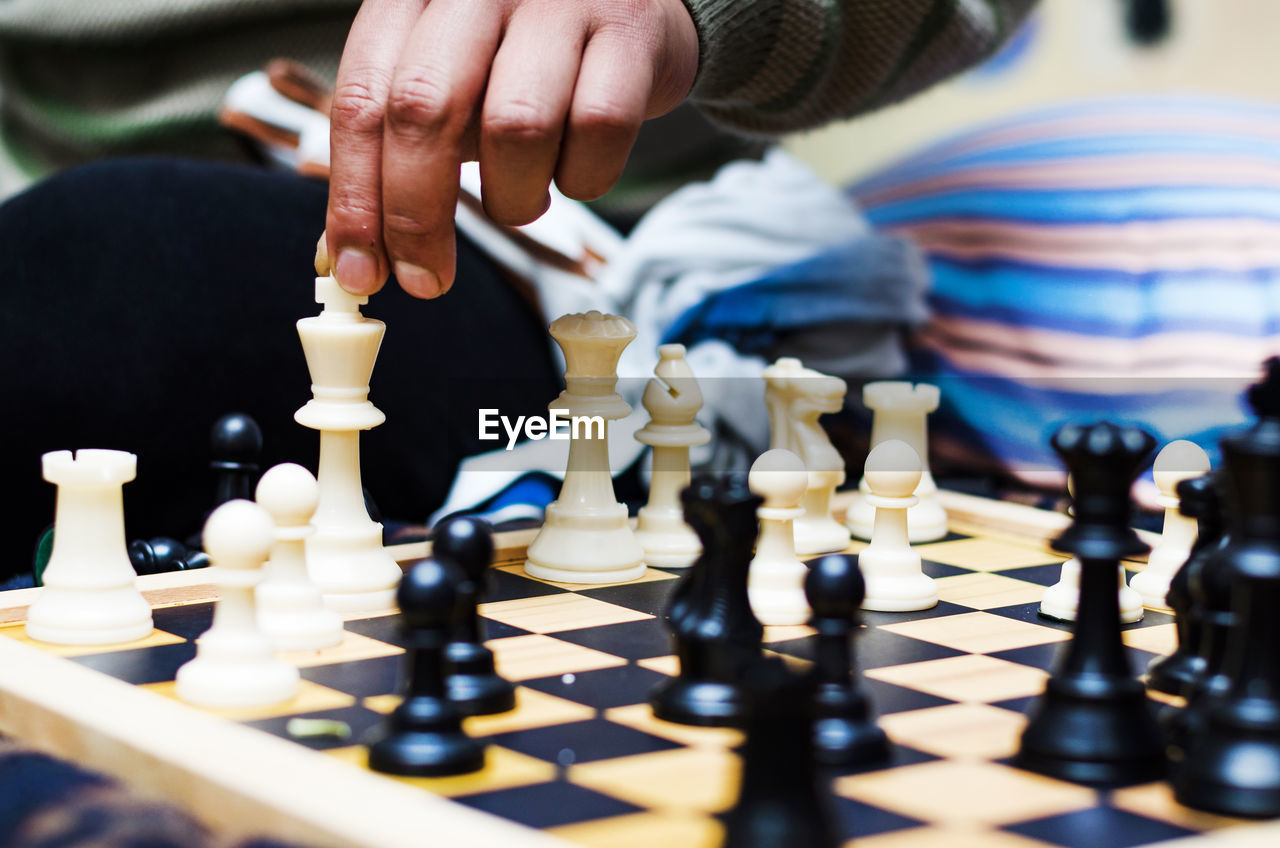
[583,757]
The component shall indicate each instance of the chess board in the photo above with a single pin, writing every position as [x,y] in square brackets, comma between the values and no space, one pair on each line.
[581,760]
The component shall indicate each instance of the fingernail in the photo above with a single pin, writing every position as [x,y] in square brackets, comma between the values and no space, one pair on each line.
[357,271]
[417,281]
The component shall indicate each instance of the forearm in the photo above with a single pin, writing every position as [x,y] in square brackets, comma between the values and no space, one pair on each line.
[772,66]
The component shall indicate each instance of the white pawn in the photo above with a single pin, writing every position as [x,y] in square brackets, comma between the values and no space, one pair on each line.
[90,594]
[901,411]
[1180,460]
[234,664]
[672,399]
[291,608]
[1061,601]
[892,569]
[775,583]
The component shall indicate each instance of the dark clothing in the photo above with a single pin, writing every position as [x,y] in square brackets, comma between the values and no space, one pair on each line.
[147,298]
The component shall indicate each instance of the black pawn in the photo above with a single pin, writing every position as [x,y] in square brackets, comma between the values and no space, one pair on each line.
[162,554]
[235,445]
[1198,499]
[1093,724]
[424,736]
[472,683]
[717,637]
[783,800]
[1232,763]
[844,730]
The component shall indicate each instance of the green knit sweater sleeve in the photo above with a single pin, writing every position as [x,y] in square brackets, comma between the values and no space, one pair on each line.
[771,66]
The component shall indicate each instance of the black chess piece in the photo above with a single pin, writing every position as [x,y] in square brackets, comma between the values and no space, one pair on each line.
[783,798]
[1198,499]
[235,445]
[1232,763]
[472,683]
[716,635]
[162,554]
[424,735]
[1093,724]
[844,730]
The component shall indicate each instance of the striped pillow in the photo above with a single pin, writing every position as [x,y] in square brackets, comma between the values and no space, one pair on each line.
[1116,258]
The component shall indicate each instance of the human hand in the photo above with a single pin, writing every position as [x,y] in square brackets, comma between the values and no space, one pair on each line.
[534,89]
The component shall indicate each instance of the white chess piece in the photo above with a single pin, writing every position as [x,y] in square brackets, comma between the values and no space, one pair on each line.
[775,584]
[586,537]
[900,411]
[891,567]
[90,594]
[291,610]
[345,556]
[234,664]
[796,397]
[672,399]
[1061,601]
[1180,460]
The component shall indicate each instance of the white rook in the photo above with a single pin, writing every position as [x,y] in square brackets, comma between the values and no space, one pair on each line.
[90,595]
[345,556]
[900,411]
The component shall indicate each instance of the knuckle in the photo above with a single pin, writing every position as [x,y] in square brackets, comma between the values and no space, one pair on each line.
[405,226]
[605,122]
[348,206]
[423,104]
[356,108]
[520,121]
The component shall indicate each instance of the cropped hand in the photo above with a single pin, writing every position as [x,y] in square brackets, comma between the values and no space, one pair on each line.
[533,89]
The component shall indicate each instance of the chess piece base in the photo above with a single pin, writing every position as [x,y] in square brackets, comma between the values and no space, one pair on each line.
[900,593]
[702,703]
[566,551]
[426,740]
[1100,733]
[353,570]
[1238,778]
[211,682]
[1152,585]
[303,630]
[89,617]
[1062,600]
[666,540]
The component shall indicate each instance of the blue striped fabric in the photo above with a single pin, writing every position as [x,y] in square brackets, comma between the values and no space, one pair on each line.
[1117,258]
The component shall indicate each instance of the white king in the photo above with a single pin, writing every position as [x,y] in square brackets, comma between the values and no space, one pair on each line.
[345,556]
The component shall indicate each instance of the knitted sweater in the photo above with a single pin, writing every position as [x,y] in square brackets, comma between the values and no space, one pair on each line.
[80,79]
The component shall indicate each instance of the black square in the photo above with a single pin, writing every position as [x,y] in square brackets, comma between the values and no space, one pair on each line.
[188,621]
[142,665]
[941,569]
[634,640]
[582,742]
[384,628]
[375,676]
[506,586]
[856,820]
[545,805]
[873,619]
[361,721]
[651,596]
[1099,827]
[1044,657]
[1041,575]
[899,755]
[889,698]
[1030,613]
[603,689]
